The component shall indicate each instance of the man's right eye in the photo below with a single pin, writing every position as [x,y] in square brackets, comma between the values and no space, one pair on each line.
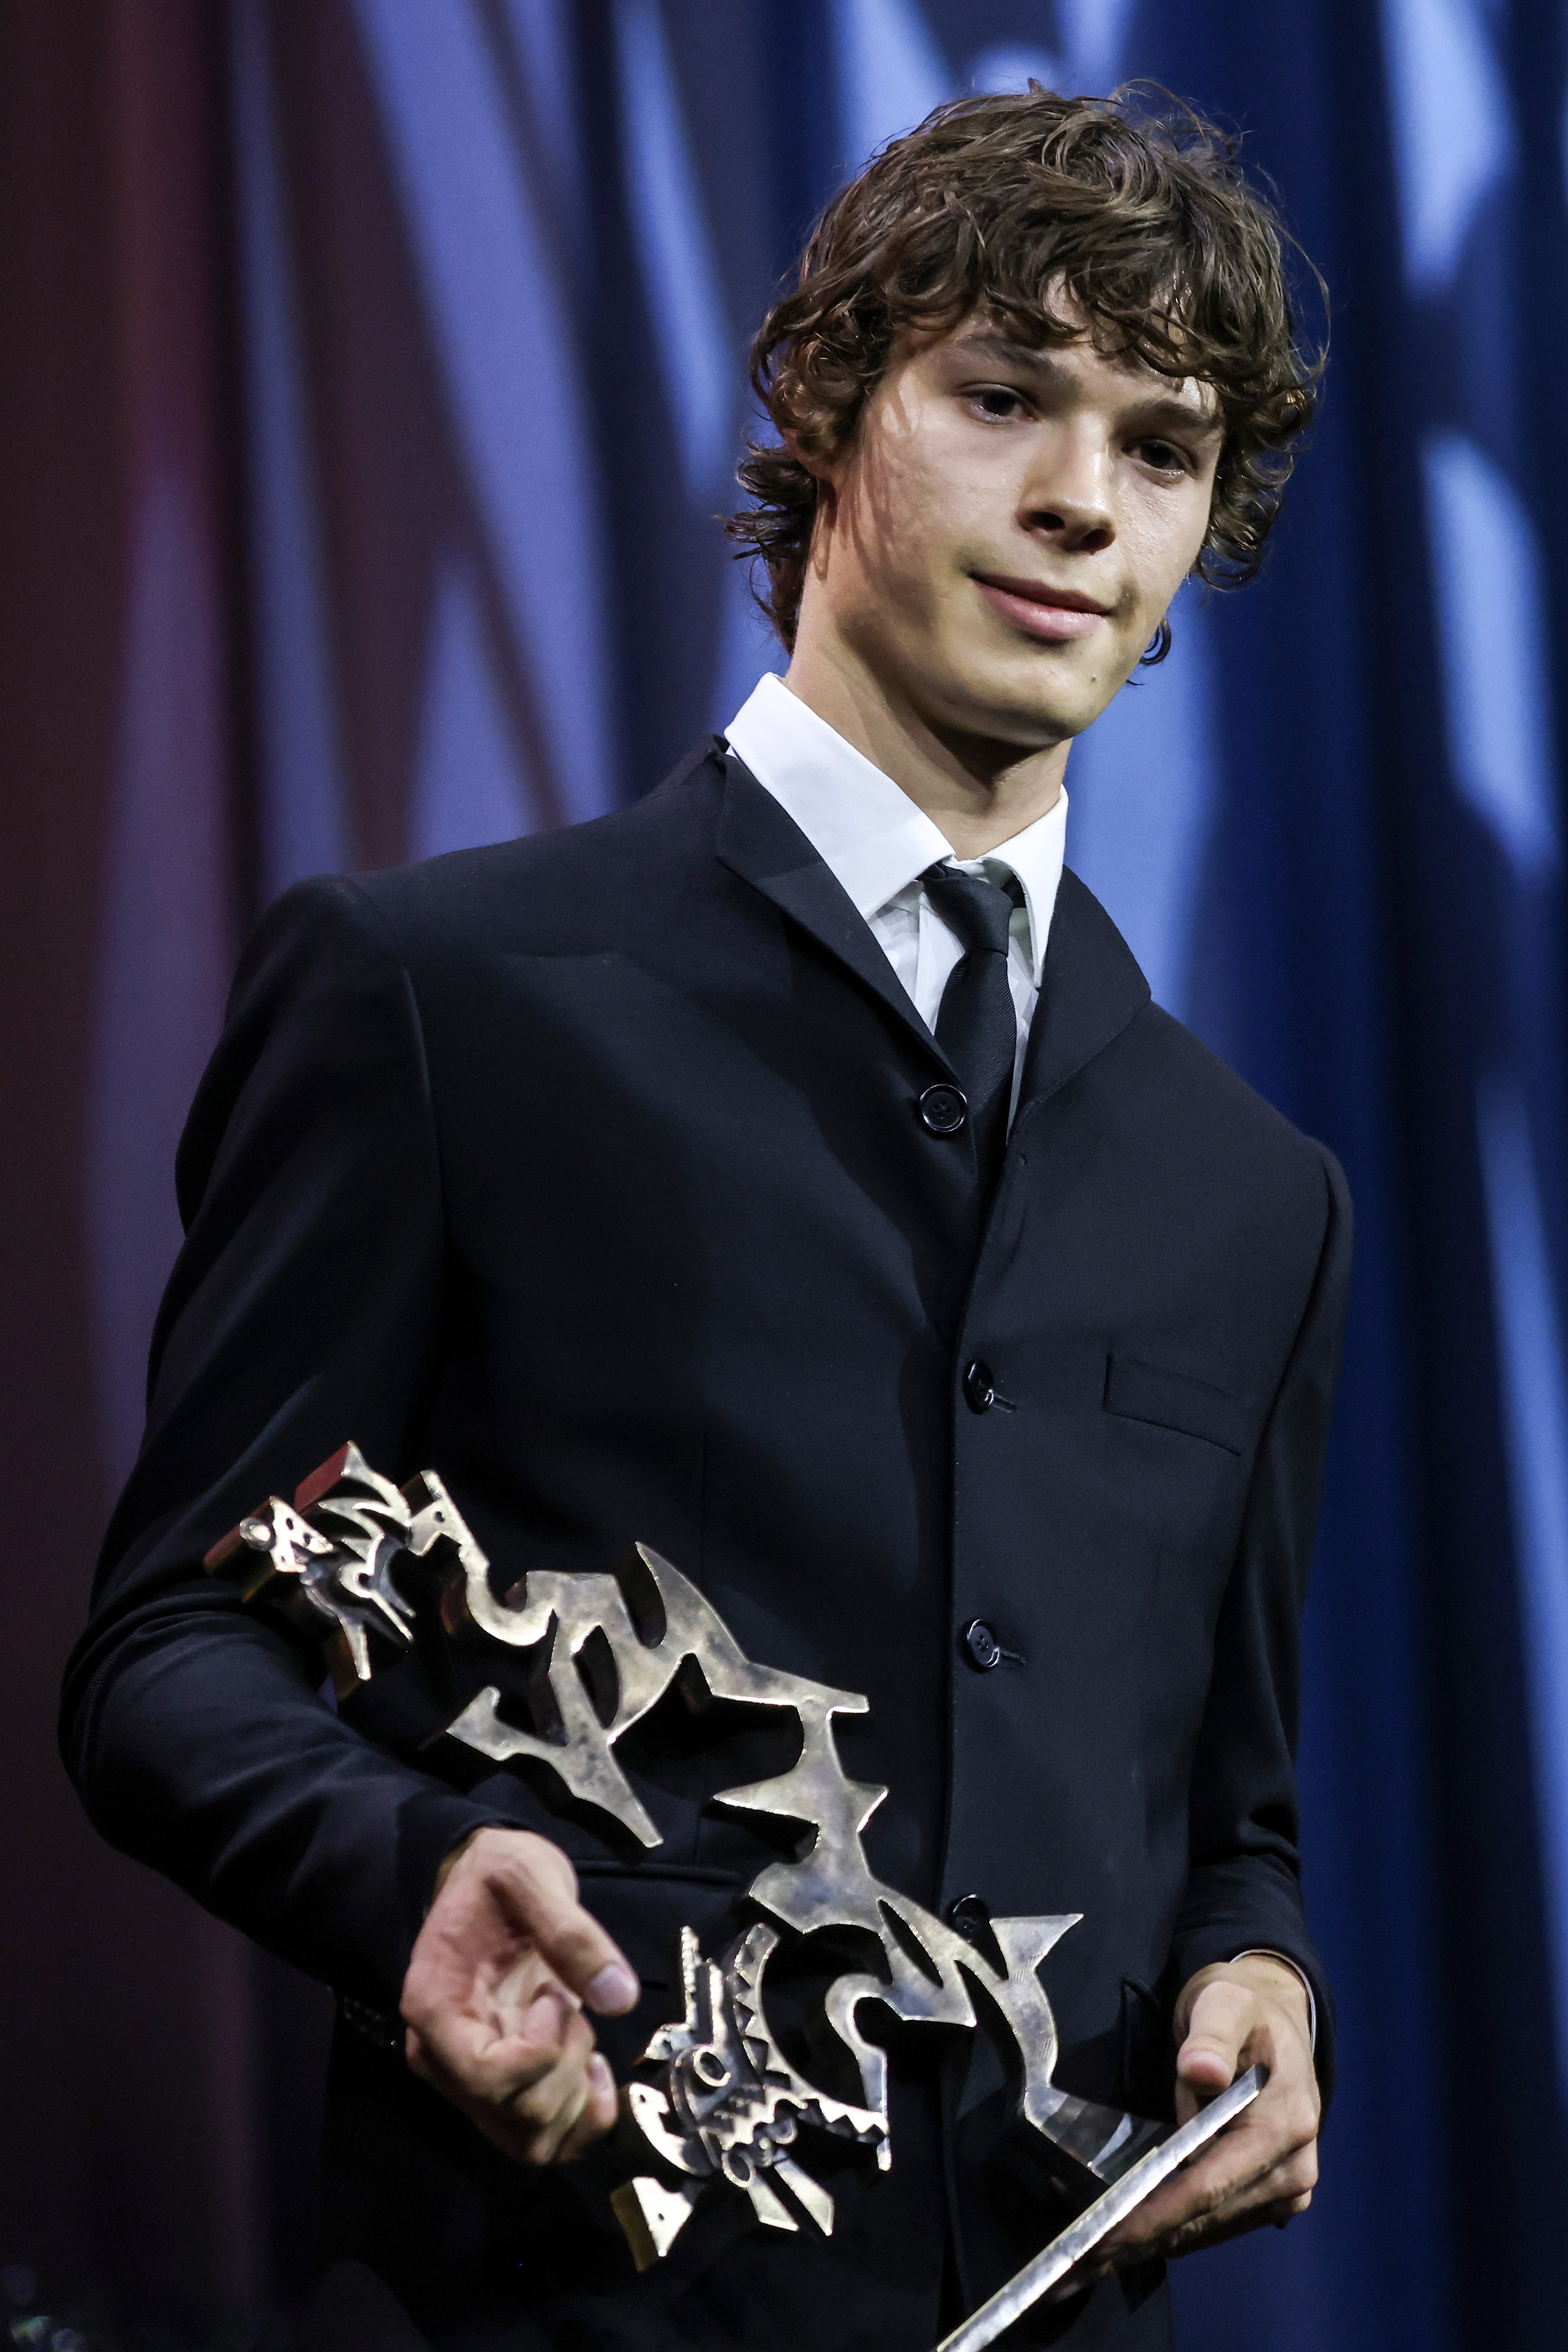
[998,400]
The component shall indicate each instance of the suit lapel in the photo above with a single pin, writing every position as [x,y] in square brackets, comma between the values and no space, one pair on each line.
[1091,989]
[761,842]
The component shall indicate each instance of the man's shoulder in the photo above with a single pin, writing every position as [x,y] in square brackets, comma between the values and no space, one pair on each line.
[1225,1120]
[558,891]
[1203,1110]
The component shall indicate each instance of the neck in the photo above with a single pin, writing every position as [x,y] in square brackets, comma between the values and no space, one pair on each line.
[978,793]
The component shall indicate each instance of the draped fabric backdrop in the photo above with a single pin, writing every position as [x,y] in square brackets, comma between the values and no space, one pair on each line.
[374,375]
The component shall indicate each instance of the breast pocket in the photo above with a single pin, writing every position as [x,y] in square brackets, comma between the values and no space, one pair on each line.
[1169,1400]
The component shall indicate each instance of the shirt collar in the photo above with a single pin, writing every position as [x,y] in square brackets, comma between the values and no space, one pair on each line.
[864,828]
[1035,855]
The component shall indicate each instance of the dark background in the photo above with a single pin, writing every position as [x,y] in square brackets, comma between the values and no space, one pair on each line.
[372,375]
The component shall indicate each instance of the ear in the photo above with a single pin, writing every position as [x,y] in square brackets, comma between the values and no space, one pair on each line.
[823,471]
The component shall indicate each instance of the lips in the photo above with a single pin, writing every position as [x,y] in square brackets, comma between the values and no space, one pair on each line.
[1055,616]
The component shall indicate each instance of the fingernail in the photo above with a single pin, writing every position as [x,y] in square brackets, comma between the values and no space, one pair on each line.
[599,2071]
[615,1988]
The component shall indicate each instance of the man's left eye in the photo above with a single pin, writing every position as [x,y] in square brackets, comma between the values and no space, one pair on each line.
[1163,456]
[998,400]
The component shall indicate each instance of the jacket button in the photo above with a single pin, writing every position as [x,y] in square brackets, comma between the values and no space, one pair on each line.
[943,1110]
[979,1391]
[980,1644]
[969,1914]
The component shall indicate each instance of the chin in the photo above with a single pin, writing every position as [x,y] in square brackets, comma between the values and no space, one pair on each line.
[1035,702]
[1016,711]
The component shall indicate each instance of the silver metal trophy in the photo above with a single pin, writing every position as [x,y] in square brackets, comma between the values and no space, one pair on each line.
[374,1575]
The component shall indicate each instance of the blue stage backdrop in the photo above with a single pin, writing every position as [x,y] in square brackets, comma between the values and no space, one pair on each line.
[423,552]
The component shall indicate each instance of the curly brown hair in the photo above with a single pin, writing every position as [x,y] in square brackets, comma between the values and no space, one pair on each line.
[1136,211]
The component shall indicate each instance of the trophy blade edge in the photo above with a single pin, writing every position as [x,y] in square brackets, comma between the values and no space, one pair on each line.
[1097,2221]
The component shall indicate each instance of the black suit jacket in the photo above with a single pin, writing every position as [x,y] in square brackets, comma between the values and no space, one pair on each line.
[589,1170]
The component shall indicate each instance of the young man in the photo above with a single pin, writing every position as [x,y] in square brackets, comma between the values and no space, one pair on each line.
[793,1173]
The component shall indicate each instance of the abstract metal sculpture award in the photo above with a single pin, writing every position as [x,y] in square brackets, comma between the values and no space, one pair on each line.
[371,1574]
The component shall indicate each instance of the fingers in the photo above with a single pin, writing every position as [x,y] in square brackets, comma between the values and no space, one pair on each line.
[1250,2193]
[1267,2155]
[544,2110]
[495,1992]
[1099,2265]
[504,2034]
[563,2112]
[1194,2211]
[542,2093]
[598,2113]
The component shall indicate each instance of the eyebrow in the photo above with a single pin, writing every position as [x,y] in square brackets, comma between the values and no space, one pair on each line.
[1162,405]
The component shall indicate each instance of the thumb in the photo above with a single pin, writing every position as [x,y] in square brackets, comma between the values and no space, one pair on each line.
[1207,2059]
[569,1940]
[586,1959]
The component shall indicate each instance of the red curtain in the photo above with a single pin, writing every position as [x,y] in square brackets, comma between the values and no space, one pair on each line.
[130,2105]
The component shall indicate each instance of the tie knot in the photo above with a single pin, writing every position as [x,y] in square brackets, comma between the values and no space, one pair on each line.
[979,912]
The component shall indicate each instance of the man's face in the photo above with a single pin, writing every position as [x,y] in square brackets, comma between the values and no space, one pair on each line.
[1003,538]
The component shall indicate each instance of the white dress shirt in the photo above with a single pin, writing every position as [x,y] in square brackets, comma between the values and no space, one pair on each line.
[878,844]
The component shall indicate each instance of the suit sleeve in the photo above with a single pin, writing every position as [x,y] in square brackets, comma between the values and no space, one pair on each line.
[305,1308]
[1244,1888]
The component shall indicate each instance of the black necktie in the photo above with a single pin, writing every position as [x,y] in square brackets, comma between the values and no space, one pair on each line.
[976,1025]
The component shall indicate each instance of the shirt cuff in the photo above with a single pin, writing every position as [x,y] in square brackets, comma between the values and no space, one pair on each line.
[1263,1952]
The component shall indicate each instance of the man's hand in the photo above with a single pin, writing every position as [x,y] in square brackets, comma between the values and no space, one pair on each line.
[1264,2166]
[494,1997]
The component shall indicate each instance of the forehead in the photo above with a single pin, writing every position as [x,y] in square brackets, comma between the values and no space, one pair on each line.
[1072,363]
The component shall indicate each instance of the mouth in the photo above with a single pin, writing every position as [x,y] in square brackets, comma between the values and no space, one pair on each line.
[1053,615]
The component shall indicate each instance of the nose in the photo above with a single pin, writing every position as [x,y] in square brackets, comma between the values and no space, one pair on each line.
[1066,497]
